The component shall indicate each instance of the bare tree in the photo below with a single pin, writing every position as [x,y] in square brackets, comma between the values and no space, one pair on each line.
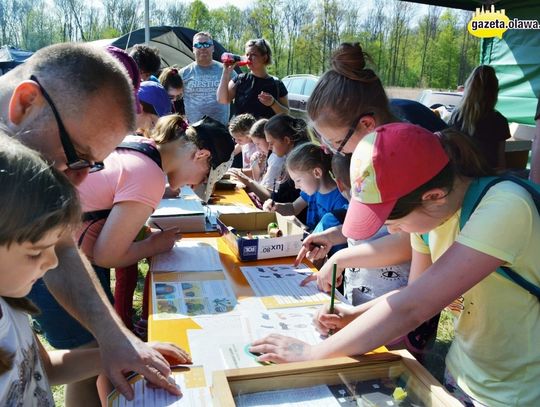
[296,16]
[429,31]
[402,13]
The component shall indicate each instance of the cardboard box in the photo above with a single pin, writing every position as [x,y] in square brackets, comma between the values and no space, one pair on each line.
[257,223]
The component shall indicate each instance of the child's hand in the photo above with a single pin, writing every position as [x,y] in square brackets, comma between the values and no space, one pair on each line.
[172,353]
[238,175]
[269,206]
[164,240]
[324,277]
[280,349]
[315,247]
[325,322]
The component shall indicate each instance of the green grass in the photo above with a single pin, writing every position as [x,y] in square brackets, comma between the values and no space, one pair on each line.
[434,361]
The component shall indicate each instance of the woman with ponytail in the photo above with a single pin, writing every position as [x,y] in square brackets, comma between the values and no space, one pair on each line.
[476,116]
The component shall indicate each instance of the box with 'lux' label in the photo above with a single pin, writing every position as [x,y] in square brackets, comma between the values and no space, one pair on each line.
[247,234]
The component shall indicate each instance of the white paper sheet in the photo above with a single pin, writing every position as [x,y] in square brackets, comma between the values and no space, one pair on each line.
[146,396]
[178,207]
[293,322]
[219,343]
[316,396]
[228,209]
[280,286]
[190,298]
[188,255]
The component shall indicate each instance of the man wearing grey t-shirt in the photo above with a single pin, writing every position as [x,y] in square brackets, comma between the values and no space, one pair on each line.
[201,80]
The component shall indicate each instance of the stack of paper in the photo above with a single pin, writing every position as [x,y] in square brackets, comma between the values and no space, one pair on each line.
[184,213]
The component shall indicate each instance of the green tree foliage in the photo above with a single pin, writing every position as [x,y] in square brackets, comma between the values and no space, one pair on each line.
[409,44]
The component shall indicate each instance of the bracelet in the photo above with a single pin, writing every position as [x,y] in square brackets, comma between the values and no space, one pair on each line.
[273,101]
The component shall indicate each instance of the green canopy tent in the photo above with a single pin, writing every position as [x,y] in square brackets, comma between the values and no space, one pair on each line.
[515,57]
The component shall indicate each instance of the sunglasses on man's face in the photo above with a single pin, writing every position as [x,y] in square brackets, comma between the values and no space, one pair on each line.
[200,45]
[73,160]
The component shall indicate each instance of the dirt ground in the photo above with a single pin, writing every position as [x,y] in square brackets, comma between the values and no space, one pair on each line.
[403,93]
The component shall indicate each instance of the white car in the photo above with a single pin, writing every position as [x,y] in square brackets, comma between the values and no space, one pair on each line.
[434,99]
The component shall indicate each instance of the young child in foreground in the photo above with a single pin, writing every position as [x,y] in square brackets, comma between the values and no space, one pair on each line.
[38,205]
[309,167]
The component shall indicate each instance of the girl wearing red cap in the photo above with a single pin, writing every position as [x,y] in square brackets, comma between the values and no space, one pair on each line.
[416,182]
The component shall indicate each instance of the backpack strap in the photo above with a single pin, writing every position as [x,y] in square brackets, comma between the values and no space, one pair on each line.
[476,191]
[145,148]
[93,217]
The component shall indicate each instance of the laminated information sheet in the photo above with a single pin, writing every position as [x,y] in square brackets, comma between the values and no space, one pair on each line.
[279,286]
[189,298]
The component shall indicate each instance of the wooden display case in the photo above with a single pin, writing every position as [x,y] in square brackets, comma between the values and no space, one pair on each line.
[368,380]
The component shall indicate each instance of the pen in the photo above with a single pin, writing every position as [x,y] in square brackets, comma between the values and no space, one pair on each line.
[333,294]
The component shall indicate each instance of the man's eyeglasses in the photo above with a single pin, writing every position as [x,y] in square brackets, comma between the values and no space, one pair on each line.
[200,45]
[73,160]
[352,129]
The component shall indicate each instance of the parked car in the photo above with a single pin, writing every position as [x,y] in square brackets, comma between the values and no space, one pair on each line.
[434,99]
[300,88]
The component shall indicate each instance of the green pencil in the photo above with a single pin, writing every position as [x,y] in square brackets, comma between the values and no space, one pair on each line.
[333,294]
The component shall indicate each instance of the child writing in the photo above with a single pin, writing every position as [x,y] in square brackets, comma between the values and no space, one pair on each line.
[239,127]
[282,133]
[362,284]
[369,268]
[309,167]
[266,167]
[493,359]
[39,204]
[262,159]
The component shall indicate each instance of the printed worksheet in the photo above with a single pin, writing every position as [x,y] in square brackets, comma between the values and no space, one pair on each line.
[188,255]
[279,286]
[146,396]
[295,322]
[189,298]
[220,344]
[315,396]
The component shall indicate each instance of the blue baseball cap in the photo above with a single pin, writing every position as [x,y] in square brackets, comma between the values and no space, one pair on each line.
[156,96]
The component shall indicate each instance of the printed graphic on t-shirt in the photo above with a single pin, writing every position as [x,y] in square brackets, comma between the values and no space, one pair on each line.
[363,285]
[30,380]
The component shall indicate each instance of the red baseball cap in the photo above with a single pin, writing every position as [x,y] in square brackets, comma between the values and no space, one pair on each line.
[386,165]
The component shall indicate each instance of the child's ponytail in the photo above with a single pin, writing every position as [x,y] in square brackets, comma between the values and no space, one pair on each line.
[463,153]
[465,161]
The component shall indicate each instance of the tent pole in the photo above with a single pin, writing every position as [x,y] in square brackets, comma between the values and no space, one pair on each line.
[147,21]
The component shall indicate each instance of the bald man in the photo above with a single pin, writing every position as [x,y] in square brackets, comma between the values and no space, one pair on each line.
[74,103]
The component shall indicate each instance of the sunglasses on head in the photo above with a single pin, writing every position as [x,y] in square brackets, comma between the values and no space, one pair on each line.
[73,160]
[199,45]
